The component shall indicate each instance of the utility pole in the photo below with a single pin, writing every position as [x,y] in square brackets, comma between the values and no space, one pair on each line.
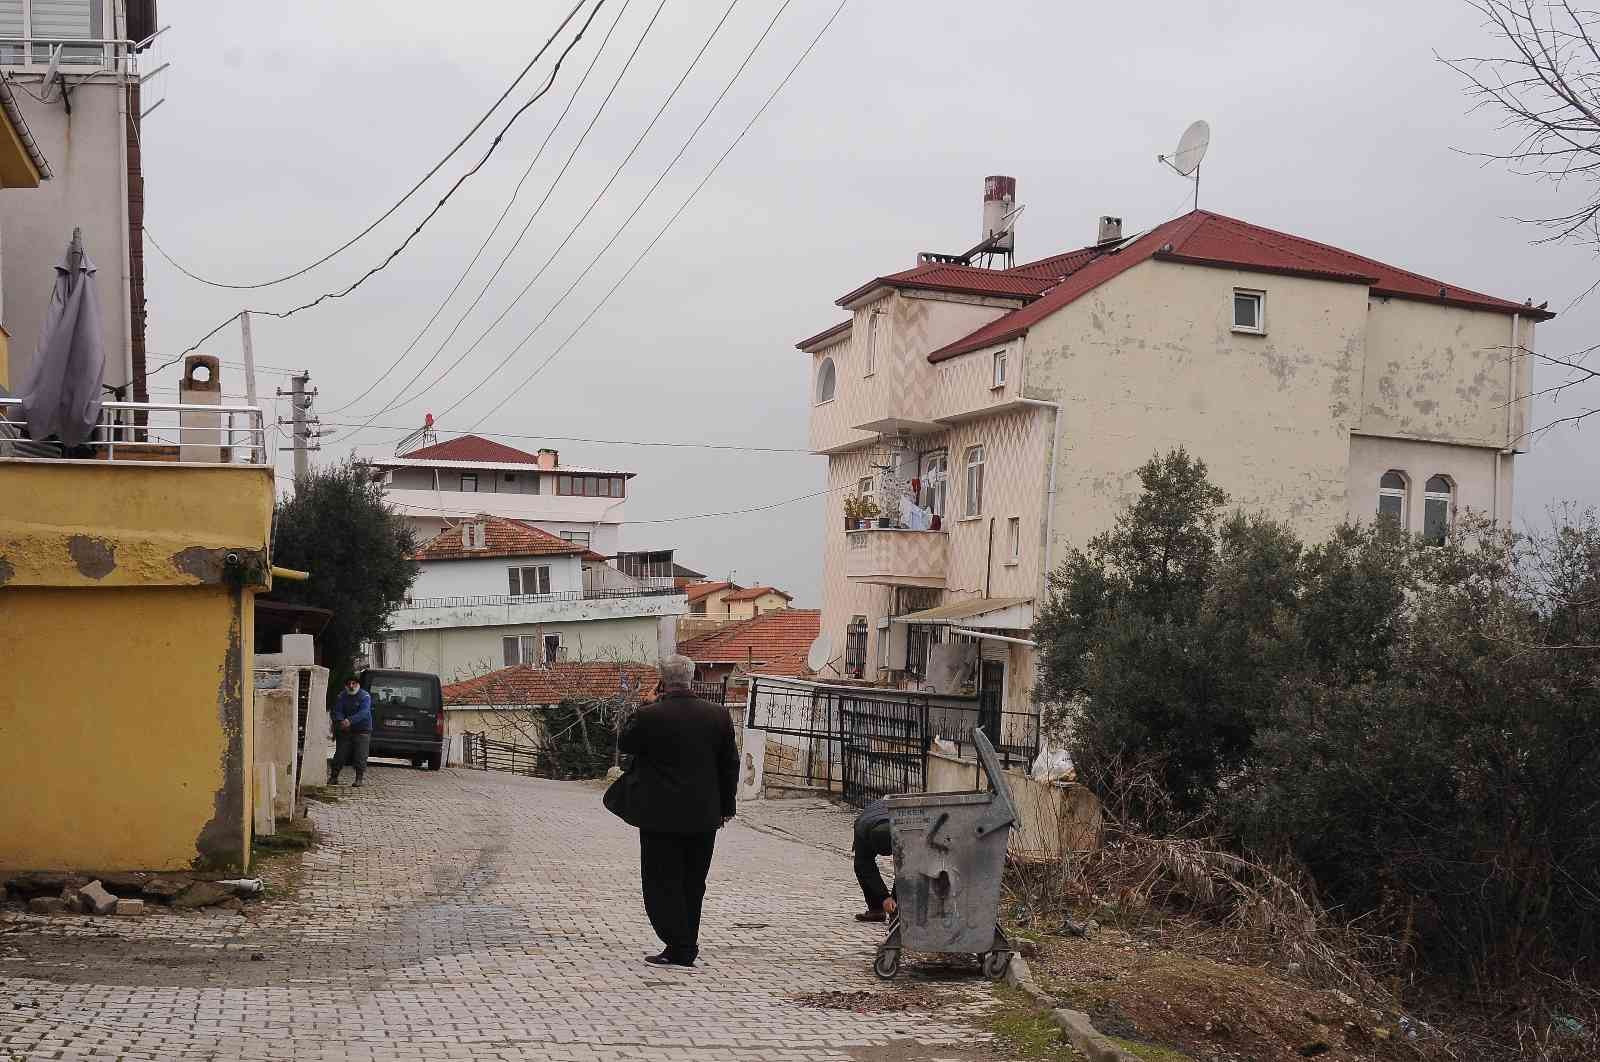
[300,400]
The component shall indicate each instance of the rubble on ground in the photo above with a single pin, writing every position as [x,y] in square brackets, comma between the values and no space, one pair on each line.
[49,892]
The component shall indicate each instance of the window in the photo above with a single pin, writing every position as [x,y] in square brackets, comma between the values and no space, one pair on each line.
[864,486]
[920,640]
[552,649]
[580,538]
[1438,498]
[935,481]
[617,486]
[54,21]
[974,506]
[519,650]
[1392,497]
[827,379]
[532,579]
[591,486]
[855,648]
[1247,311]
[469,482]
[871,353]
[884,639]
[563,484]
[999,369]
[1014,538]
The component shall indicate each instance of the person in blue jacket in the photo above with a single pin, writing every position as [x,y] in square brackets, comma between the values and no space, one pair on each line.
[352,730]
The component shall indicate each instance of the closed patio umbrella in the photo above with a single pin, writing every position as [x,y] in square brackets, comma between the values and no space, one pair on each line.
[62,394]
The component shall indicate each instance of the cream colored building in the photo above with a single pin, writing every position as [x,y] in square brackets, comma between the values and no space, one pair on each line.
[1319,386]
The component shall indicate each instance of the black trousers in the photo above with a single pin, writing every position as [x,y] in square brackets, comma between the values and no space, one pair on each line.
[350,749]
[674,868]
[869,845]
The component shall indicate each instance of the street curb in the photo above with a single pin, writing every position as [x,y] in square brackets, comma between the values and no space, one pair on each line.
[1074,1024]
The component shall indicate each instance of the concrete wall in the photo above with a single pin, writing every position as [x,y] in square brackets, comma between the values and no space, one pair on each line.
[461,652]
[1476,472]
[1055,818]
[86,151]
[488,578]
[125,721]
[277,735]
[743,610]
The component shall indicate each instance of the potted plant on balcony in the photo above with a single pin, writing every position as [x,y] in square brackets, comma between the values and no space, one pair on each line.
[859,510]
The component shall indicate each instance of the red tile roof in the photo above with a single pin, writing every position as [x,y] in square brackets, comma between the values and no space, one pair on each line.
[472,448]
[942,276]
[824,335]
[525,684]
[505,538]
[1204,238]
[775,643]
[755,592]
[696,591]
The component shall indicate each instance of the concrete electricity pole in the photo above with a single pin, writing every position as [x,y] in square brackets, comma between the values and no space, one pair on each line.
[300,400]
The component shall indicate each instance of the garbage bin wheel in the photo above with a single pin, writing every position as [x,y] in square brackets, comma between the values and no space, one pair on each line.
[887,964]
[995,964]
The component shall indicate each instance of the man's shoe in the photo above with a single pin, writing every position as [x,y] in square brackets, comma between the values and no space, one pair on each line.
[333,780]
[359,781]
[667,959]
[872,915]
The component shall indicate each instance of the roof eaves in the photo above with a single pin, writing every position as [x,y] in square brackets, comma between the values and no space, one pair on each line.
[968,344]
[19,123]
[1255,267]
[823,338]
[1497,306]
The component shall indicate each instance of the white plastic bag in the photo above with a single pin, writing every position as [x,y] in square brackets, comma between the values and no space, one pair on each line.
[1051,765]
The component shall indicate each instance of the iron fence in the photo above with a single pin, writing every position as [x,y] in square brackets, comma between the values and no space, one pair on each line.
[482,753]
[866,743]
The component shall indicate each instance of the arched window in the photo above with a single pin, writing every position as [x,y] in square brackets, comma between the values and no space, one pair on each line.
[1392,496]
[1438,504]
[827,380]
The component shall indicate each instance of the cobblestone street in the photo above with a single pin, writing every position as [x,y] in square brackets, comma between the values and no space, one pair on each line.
[467,915]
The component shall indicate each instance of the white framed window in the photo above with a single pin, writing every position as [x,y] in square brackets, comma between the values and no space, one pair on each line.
[973,463]
[935,481]
[1392,496]
[827,381]
[519,649]
[870,355]
[579,538]
[53,23]
[1438,508]
[1014,539]
[864,486]
[999,369]
[469,482]
[528,579]
[1249,311]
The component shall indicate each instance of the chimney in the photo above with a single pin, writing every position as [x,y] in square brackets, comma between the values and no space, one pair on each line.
[200,434]
[999,199]
[549,459]
[1110,229]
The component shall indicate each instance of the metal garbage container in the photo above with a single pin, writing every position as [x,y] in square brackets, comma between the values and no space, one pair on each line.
[949,855]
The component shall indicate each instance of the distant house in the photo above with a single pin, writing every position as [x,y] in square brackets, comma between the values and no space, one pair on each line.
[497,704]
[495,592]
[772,643]
[751,602]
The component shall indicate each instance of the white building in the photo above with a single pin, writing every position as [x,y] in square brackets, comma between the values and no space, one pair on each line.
[493,592]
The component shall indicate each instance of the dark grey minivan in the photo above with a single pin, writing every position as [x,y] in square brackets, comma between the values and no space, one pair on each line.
[407,716]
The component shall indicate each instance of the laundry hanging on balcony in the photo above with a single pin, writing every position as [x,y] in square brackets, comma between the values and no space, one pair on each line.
[62,394]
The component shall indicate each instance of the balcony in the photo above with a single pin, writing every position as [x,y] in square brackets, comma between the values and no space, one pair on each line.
[495,610]
[163,432]
[888,556]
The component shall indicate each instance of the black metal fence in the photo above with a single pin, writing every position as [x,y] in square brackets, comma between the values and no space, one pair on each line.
[869,743]
[483,753]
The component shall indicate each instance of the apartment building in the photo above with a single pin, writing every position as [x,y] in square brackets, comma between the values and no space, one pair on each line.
[984,419]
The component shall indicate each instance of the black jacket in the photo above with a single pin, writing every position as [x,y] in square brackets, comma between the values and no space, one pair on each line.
[685,765]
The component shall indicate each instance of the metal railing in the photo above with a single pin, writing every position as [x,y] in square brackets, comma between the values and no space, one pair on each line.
[537,599]
[106,53]
[154,431]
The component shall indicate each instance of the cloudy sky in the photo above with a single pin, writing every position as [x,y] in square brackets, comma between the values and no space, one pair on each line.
[279,138]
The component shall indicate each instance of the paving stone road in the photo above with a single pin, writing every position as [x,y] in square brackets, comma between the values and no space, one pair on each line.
[464,915]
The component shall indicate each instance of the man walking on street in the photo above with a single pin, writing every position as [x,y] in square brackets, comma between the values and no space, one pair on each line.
[352,730]
[685,767]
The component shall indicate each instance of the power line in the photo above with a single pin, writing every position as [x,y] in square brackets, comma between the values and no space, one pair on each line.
[495,143]
[657,238]
[601,442]
[517,191]
[403,199]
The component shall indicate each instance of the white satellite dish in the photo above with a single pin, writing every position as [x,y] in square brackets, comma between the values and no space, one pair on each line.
[51,72]
[1185,162]
[821,652]
[1192,148]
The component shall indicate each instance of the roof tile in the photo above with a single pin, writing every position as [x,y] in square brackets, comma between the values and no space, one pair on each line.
[505,538]
[774,642]
[523,684]
[471,448]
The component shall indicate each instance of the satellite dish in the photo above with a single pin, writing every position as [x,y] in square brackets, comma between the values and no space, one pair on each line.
[1191,148]
[51,72]
[821,652]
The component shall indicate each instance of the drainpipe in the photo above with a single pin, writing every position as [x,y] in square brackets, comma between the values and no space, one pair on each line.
[1511,401]
[988,559]
[1050,495]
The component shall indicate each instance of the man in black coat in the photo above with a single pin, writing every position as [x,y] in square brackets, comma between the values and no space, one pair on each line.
[684,772]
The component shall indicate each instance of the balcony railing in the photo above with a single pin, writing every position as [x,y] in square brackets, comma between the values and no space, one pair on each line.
[890,556]
[168,432]
[538,599]
[103,53]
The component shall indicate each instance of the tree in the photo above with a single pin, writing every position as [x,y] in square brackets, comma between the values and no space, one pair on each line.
[1544,84]
[359,553]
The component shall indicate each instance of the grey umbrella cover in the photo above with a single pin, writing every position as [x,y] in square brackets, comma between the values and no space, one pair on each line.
[63,393]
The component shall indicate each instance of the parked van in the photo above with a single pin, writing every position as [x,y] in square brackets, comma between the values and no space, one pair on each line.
[407,715]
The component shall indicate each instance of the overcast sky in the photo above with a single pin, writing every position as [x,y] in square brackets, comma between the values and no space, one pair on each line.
[280,137]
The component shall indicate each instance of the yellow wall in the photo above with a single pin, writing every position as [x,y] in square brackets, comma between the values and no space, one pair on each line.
[125,734]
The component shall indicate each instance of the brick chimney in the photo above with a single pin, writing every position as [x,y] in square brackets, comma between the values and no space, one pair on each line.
[549,459]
